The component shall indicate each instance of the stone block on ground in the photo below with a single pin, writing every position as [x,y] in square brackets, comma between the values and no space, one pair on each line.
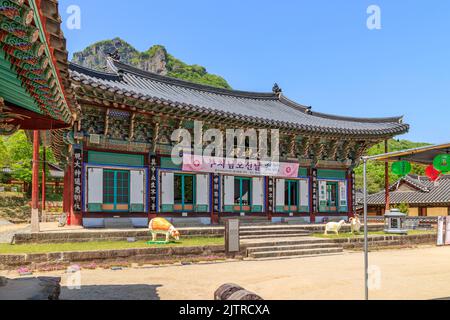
[39,288]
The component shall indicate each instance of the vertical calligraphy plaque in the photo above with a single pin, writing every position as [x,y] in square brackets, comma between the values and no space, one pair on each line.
[153,185]
[216,193]
[354,204]
[77,178]
[314,191]
[270,195]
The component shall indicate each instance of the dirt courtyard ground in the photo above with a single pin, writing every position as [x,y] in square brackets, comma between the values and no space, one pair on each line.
[422,273]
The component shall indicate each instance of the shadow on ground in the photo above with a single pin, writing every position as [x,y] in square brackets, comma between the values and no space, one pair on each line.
[112,292]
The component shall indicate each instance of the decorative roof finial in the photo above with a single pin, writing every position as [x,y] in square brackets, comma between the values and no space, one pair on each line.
[115,55]
[276,89]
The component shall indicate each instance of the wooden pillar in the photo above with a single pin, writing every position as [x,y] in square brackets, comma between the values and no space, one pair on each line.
[35,184]
[69,195]
[386,179]
[65,192]
[44,159]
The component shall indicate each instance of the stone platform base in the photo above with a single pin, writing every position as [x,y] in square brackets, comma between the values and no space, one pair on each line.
[111,256]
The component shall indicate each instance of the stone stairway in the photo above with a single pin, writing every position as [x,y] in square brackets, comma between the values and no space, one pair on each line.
[272,231]
[284,241]
[249,221]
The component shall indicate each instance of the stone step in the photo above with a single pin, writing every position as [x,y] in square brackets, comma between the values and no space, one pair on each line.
[268,236]
[272,232]
[282,242]
[292,247]
[296,253]
[273,227]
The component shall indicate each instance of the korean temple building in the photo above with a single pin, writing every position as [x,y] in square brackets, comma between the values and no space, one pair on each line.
[121,151]
[111,132]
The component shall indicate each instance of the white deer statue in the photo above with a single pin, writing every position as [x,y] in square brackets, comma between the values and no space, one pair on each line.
[334,227]
[355,224]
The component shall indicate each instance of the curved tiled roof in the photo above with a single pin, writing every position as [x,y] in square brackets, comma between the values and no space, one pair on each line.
[271,108]
[426,192]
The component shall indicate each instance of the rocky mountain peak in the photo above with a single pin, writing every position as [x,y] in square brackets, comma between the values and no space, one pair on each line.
[156,60]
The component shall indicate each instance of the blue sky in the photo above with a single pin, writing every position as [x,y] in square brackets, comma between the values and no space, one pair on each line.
[320,52]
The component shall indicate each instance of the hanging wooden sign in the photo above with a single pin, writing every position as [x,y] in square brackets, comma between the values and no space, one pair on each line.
[77,178]
[270,195]
[153,191]
[314,191]
[216,193]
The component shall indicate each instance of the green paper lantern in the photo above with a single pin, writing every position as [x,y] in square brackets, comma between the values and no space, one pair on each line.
[442,163]
[401,168]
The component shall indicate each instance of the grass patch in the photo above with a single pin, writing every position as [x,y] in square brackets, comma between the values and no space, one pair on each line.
[378,233]
[103,245]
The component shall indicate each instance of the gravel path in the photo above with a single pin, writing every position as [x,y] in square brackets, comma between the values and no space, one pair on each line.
[8,230]
[422,273]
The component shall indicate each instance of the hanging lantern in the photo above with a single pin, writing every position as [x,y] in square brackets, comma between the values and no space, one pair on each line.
[401,168]
[442,163]
[432,173]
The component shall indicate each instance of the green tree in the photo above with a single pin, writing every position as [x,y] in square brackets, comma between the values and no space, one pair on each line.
[375,170]
[403,207]
[16,152]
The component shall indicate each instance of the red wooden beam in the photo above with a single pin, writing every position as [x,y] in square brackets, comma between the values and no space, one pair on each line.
[43,180]
[35,184]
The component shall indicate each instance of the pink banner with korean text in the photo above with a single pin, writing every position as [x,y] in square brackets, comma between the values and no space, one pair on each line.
[239,166]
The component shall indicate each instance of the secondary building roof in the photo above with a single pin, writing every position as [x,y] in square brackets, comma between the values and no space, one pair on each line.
[415,190]
[272,109]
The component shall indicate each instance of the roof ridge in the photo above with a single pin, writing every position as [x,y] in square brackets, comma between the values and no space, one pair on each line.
[94,73]
[121,67]
[300,107]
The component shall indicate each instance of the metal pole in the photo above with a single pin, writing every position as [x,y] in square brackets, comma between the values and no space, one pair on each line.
[386,179]
[366,236]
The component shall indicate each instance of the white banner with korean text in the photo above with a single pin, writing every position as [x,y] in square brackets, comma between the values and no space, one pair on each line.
[239,166]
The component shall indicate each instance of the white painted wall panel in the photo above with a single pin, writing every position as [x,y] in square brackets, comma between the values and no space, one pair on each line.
[202,189]
[95,185]
[280,192]
[258,192]
[304,193]
[167,188]
[137,190]
[228,190]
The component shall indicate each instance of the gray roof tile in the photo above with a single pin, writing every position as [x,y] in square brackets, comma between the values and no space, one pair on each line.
[427,192]
[259,107]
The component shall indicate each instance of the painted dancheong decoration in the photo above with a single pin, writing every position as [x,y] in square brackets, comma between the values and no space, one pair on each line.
[160,226]
[334,227]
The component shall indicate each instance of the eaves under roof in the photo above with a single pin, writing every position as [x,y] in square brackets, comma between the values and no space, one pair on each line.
[267,108]
[33,59]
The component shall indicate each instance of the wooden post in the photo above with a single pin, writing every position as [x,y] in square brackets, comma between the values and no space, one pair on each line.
[35,184]
[44,158]
[386,179]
